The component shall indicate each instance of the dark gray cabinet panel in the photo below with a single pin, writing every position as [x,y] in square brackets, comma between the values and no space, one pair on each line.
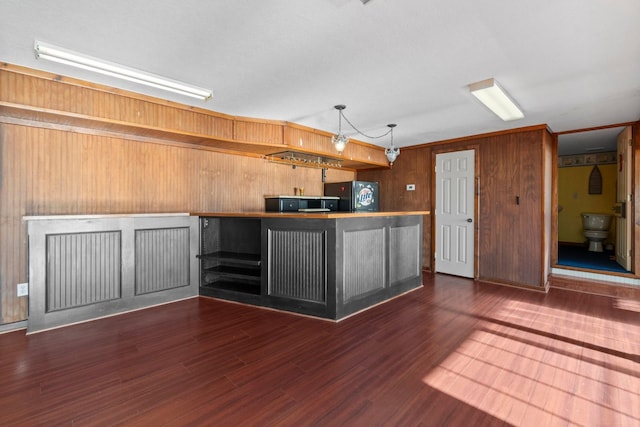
[83,267]
[297,266]
[364,266]
[326,267]
[405,242]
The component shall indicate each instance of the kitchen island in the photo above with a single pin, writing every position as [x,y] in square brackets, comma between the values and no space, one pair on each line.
[328,265]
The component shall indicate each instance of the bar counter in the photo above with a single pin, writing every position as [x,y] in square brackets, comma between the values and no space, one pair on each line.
[316,215]
[324,264]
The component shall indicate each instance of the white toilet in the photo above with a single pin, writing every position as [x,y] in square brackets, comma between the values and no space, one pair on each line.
[596,229]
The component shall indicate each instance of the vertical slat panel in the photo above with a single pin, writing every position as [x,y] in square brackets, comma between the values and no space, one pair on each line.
[404,250]
[82,269]
[363,250]
[302,275]
[257,131]
[162,259]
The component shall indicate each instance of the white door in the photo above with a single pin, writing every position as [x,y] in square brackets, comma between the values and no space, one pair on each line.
[454,213]
[623,199]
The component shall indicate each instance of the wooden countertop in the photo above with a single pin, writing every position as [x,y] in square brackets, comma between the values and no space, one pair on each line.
[316,215]
[322,215]
[101,216]
[281,196]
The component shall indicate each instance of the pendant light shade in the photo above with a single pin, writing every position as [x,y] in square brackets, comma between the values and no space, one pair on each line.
[340,141]
[392,152]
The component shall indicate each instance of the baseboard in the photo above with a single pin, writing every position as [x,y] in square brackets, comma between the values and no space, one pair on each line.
[15,326]
[595,287]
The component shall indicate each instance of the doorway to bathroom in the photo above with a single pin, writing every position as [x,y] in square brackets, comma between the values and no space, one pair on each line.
[593,194]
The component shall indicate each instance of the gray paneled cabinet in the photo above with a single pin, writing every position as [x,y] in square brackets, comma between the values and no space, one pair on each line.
[326,267]
[83,267]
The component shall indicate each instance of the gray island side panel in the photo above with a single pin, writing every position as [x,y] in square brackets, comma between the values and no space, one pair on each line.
[332,267]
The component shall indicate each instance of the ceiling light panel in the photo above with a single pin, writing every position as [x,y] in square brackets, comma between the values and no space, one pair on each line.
[491,94]
[85,62]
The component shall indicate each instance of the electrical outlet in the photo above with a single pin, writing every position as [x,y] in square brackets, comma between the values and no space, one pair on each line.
[411,187]
[23,289]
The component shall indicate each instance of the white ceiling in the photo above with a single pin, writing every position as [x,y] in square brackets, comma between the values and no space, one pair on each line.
[571,64]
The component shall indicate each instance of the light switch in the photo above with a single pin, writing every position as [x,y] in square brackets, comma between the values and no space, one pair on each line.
[411,187]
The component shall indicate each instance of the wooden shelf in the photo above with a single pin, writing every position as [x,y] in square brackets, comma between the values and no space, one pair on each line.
[231,272]
[234,257]
[35,115]
[233,286]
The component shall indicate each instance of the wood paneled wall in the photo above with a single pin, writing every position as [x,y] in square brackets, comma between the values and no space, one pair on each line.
[515,162]
[30,96]
[47,171]
[411,167]
[56,93]
[303,138]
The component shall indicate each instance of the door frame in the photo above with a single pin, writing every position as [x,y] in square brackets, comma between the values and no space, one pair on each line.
[476,203]
[635,191]
[627,215]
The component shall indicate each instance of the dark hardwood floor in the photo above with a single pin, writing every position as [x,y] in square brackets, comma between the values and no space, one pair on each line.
[455,352]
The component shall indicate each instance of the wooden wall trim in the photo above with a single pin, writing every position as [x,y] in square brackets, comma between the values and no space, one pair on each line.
[50,117]
[615,125]
[475,137]
[595,287]
[129,137]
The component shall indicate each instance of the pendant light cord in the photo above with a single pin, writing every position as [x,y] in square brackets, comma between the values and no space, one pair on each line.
[362,133]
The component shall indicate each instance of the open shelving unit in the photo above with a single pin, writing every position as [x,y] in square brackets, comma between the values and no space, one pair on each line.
[230,258]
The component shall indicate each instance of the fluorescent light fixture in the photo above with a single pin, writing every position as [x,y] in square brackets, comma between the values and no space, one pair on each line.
[496,99]
[64,56]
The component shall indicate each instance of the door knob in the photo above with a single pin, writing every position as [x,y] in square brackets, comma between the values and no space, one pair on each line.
[469,220]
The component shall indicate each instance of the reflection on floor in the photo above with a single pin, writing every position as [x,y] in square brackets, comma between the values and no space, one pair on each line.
[579,256]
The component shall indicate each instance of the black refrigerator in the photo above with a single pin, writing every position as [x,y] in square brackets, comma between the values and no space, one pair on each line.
[355,196]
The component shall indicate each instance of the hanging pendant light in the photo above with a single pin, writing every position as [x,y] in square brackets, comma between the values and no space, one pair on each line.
[340,141]
[392,152]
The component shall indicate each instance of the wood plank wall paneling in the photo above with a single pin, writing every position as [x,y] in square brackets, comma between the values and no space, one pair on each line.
[499,187]
[529,218]
[301,138]
[304,139]
[411,167]
[61,95]
[45,171]
[501,257]
[357,151]
[255,131]
[44,99]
